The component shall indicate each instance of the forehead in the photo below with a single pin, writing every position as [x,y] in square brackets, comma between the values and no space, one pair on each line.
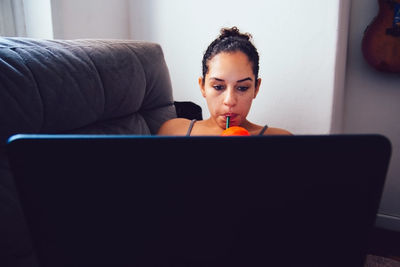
[230,63]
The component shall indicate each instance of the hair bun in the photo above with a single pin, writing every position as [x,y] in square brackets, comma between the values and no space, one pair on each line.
[233,32]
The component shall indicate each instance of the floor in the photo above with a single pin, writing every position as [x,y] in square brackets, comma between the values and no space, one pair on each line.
[377,261]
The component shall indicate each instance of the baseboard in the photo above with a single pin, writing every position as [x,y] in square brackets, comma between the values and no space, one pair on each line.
[387,221]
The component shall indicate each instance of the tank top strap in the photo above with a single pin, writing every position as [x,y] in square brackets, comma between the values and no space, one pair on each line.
[263,130]
[192,122]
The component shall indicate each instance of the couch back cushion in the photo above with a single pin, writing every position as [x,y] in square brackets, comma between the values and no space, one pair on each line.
[83,86]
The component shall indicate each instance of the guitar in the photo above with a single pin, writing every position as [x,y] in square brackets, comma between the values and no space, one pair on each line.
[381,40]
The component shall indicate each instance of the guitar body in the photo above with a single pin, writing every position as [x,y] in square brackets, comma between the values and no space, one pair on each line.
[381,41]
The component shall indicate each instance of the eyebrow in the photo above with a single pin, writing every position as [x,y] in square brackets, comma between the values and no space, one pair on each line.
[242,80]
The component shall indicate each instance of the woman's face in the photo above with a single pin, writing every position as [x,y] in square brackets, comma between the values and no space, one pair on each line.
[229,87]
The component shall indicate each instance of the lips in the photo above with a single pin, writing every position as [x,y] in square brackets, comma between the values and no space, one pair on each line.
[231,115]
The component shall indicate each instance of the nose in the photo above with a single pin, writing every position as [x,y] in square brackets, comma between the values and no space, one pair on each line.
[230,97]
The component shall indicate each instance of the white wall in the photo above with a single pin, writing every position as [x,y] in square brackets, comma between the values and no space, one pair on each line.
[38,21]
[297,42]
[372,104]
[74,19]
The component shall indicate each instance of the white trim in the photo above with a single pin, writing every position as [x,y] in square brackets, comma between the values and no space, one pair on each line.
[340,67]
[7,27]
[12,18]
[19,17]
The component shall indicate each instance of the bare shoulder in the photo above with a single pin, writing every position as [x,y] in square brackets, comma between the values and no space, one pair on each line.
[177,126]
[277,131]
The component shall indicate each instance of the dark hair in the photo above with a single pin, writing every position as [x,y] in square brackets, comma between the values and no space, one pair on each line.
[232,40]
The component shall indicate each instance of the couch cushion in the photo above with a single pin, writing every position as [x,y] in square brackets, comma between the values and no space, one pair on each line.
[78,86]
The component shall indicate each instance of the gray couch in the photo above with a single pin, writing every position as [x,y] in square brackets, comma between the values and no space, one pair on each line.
[75,86]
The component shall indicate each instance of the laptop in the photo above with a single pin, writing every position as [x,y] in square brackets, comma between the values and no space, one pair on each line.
[199,201]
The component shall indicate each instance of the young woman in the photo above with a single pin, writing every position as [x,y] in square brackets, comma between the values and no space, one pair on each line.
[229,84]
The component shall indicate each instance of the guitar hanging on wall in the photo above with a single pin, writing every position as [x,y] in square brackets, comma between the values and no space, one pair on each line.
[381,41]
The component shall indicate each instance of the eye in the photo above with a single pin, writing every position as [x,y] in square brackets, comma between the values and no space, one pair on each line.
[243,88]
[218,87]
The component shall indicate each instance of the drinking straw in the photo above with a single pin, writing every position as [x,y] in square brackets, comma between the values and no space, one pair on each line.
[227,121]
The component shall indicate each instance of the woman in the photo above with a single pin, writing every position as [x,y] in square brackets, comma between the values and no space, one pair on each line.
[229,84]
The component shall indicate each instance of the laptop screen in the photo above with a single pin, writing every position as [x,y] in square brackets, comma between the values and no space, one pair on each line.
[199,201]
